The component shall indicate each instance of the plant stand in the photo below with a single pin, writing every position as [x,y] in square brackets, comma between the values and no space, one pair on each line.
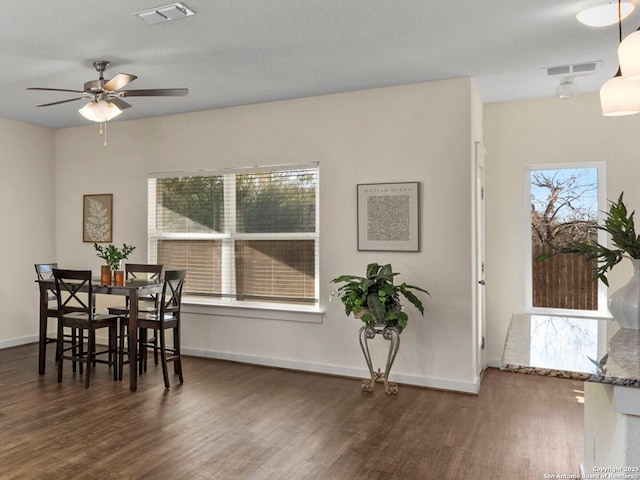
[393,337]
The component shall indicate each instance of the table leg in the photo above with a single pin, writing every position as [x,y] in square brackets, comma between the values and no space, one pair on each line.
[133,340]
[42,335]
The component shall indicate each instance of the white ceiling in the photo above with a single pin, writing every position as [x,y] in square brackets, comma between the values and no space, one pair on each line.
[235,52]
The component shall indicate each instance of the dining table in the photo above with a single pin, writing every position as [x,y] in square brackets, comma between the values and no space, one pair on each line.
[133,289]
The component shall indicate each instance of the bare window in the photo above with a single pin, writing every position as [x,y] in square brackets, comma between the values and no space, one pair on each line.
[246,235]
[564,206]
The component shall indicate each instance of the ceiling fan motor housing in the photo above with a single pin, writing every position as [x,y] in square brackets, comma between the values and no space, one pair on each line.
[97,85]
[94,85]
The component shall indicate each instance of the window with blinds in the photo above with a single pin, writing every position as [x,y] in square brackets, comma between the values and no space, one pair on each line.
[246,235]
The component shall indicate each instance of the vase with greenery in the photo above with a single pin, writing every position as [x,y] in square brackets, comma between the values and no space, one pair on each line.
[624,303]
[375,298]
[619,224]
[113,255]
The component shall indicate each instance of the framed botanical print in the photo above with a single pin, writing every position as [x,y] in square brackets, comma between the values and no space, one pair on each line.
[97,218]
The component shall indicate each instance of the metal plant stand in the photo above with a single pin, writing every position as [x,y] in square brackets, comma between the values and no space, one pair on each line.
[393,337]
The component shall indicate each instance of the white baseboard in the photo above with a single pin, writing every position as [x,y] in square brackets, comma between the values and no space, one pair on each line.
[428,382]
[436,383]
[18,341]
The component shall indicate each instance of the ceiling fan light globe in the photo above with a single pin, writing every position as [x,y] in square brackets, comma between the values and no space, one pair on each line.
[114,111]
[88,112]
[101,111]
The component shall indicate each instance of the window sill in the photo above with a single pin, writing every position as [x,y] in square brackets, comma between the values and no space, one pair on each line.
[565,312]
[289,313]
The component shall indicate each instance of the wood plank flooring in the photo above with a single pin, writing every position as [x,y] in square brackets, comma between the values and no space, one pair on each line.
[235,421]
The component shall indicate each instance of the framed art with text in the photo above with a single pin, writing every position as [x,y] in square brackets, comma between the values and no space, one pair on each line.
[388,216]
[97,218]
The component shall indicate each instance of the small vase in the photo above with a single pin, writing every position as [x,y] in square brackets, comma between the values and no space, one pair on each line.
[624,303]
[105,274]
[118,278]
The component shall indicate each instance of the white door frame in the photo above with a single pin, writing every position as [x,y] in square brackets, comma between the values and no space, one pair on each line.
[479,324]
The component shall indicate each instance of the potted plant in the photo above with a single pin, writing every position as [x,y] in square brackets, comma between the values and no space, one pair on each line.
[375,298]
[619,224]
[113,257]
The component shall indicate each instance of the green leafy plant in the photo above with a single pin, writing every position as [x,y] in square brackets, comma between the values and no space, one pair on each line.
[619,224]
[113,255]
[377,296]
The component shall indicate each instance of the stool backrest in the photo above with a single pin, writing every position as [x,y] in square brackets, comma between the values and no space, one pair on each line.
[144,271]
[172,293]
[74,290]
[45,270]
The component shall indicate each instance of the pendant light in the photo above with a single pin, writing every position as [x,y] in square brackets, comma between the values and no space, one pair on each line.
[605,14]
[629,56]
[617,96]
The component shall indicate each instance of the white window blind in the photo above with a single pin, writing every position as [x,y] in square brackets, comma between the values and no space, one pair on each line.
[244,235]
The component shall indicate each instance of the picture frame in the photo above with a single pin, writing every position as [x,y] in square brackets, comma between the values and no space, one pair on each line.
[388,217]
[97,218]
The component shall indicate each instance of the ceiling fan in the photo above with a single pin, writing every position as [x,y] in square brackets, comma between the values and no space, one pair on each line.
[106,95]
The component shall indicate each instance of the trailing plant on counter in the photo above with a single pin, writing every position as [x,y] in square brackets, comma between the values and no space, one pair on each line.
[375,298]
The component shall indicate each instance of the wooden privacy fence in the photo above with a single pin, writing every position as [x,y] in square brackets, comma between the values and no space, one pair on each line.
[563,281]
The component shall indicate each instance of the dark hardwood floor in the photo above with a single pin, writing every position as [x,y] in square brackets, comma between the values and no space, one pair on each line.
[235,421]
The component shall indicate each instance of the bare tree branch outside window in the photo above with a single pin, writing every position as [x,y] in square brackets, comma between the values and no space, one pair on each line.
[564,210]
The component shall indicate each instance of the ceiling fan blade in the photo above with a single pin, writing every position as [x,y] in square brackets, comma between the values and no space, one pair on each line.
[61,101]
[121,104]
[156,92]
[119,81]
[55,89]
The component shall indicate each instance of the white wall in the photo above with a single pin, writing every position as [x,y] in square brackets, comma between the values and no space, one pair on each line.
[419,132]
[26,231]
[537,132]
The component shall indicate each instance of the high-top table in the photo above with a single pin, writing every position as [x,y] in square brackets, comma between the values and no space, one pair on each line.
[133,289]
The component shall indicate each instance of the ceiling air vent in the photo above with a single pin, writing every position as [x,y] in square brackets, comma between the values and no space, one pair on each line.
[165,13]
[573,69]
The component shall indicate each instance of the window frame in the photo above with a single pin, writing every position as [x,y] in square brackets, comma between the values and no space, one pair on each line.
[230,306]
[603,310]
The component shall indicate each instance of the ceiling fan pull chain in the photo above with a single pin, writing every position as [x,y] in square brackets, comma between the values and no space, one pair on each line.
[105,133]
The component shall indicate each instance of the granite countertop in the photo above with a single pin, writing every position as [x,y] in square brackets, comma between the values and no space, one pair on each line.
[580,348]
[621,365]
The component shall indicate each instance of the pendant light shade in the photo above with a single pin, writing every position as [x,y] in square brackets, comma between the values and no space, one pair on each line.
[629,56]
[605,14]
[100,111]
[619,97]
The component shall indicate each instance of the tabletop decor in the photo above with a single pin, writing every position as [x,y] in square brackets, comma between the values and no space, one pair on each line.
[97,218]
[624,303]
[375,299]
[113,257]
